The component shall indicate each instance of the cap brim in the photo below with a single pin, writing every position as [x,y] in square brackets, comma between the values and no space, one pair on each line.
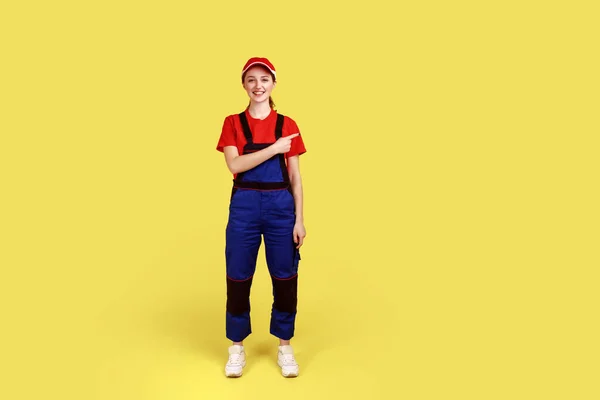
[259,63]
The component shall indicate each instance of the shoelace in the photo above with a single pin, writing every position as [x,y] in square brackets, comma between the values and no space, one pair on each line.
[288,359]
[235,359]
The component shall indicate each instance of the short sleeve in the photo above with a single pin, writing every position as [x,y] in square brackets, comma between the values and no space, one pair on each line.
[297,147]
[227,137]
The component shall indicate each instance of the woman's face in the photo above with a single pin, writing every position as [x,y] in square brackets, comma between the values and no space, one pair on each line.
[259,84]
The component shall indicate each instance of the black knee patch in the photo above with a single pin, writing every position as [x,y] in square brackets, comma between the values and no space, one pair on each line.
[285,293]
[238,296]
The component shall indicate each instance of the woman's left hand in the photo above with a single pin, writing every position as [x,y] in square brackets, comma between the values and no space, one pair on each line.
[299,234]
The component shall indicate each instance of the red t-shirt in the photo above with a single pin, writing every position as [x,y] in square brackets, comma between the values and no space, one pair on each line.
[263,131]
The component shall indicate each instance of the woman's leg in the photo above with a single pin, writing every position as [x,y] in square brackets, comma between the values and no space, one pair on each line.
[243,238]
[282,259]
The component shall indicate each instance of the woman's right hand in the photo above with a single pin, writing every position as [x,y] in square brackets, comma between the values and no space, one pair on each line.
[283,144]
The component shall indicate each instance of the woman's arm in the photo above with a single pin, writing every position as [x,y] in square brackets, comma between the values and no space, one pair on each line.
[296,183]
[237,163]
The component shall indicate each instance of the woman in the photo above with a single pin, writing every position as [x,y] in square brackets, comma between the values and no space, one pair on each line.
[261,150]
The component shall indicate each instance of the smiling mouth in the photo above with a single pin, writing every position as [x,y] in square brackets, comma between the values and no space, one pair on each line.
[258,93]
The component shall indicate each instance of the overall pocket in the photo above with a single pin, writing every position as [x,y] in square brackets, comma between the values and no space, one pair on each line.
[297,259]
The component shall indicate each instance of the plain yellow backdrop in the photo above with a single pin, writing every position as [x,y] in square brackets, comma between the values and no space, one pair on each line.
[451,198]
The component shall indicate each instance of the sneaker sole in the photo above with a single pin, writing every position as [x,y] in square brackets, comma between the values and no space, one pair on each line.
[291,374]
[235,374]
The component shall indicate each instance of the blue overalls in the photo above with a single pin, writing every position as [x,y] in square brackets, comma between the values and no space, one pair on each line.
[261,204]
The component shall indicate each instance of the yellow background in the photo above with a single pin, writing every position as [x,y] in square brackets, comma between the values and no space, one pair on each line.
[451,198]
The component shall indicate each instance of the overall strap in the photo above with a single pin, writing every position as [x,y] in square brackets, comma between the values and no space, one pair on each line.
[245,127]
[282,164]
[279,127]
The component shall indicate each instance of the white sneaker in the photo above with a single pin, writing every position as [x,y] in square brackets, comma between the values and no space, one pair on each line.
[237,361]
[285,359]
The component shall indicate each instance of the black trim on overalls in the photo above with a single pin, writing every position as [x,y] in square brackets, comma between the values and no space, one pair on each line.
[251,147]
[285,294]
[238,296]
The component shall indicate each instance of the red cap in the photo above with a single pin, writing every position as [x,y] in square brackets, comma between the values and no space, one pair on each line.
[259,61]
